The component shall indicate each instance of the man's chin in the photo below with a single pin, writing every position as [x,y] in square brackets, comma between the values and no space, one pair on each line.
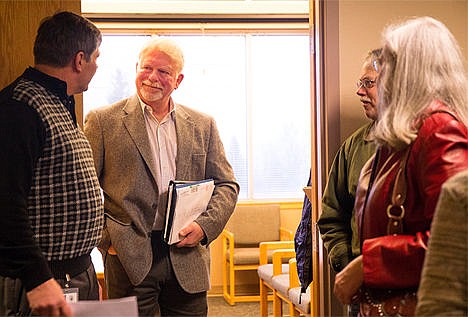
[152,97]
[371,115]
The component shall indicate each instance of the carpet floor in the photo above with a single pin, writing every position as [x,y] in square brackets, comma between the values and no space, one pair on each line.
[217,307]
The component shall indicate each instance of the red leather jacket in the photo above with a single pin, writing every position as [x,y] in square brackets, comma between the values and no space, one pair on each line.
[439,151]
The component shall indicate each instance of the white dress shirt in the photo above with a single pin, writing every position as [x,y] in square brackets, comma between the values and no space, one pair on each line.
[163,141]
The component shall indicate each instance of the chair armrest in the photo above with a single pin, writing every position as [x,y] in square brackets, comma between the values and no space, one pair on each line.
[226,234]
[272,245]
[227,240]
[286,234]
[293,277]
[278,256]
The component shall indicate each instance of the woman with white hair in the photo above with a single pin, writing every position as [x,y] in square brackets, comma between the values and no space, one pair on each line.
[422,141]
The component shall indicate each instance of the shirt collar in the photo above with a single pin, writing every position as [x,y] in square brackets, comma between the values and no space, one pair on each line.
[172,105]
[56,86]
[369,134]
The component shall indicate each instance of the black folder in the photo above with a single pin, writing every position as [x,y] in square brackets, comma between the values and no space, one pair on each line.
[186,200]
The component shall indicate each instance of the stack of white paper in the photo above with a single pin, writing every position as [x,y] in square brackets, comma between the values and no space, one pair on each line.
[126,306]
[186,201]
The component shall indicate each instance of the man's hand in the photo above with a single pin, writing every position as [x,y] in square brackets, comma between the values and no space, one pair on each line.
[47,300]
[349,281]
[192,235]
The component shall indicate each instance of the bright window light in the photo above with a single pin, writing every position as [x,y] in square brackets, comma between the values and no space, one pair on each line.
[255,86]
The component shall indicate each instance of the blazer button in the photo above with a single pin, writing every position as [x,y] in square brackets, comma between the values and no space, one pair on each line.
[154,206]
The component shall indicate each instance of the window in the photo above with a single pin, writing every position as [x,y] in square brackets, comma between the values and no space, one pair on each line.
[255,84]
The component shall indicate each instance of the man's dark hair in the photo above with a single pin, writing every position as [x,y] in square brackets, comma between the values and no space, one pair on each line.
[61,36]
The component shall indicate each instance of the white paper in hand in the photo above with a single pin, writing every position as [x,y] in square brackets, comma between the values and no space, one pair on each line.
[126,306]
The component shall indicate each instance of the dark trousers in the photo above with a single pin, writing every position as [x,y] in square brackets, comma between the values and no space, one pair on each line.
[13,301]
[160,293]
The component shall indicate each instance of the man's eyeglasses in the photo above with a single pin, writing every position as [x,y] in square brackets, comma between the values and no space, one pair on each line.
[366,83]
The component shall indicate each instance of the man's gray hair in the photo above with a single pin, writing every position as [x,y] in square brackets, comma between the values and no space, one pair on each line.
[168,47]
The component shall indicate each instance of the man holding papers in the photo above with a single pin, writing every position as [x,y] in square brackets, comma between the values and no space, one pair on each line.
[140,144]
[186,201]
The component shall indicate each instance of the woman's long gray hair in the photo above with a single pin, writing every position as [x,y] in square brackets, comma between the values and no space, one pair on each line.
[421,62]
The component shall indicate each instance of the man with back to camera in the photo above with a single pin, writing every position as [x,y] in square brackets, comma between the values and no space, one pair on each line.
[139,145]
[50,200]
[336,222]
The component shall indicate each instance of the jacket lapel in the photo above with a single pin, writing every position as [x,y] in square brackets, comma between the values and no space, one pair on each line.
[134,122]
[185,143]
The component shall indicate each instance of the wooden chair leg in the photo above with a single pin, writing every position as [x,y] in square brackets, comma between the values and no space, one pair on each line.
[292,310]
[225,281]
[277,305]
[232,285]
[263,300]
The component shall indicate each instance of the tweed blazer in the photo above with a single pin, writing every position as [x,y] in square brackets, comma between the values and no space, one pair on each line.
[125,168]
[444,290]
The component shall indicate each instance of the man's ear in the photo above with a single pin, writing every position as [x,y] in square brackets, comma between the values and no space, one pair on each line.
[179,79]
[78,61]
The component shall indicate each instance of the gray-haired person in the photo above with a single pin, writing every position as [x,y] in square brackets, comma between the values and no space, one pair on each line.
[139,144]
[336,222]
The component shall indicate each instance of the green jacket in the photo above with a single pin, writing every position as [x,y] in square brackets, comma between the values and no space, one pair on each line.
[336,222]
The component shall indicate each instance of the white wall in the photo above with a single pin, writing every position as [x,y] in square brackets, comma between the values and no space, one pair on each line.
[361,22]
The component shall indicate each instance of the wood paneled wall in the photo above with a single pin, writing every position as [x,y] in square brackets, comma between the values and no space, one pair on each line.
[19,21]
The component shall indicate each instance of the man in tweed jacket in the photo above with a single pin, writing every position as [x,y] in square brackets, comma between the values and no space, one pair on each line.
[139,145]
[50,201]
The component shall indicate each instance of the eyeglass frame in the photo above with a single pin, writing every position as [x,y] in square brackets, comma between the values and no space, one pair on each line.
[366,83]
